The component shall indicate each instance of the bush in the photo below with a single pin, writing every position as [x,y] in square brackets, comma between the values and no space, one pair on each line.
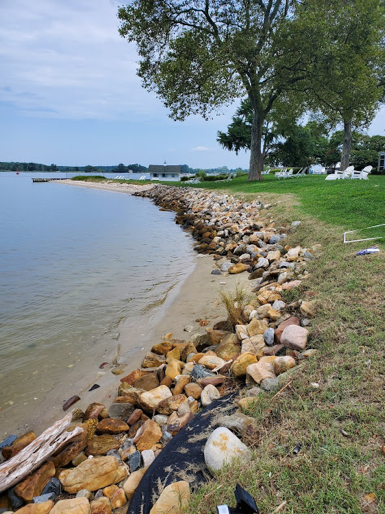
[214,178]
[183,179]
[92,178]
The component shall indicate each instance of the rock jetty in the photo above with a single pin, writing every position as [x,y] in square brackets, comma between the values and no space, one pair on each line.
[98,470]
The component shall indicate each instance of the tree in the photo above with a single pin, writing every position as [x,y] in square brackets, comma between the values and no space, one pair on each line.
[345,74]
[198,56]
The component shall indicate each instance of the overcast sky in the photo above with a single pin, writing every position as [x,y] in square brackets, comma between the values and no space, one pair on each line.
[69,94]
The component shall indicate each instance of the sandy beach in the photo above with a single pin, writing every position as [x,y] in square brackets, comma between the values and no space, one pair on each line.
[196,298]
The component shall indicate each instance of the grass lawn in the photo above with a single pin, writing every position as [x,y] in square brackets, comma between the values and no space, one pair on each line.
[340,424]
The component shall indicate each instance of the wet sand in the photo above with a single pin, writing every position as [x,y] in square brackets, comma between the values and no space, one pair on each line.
[197,297]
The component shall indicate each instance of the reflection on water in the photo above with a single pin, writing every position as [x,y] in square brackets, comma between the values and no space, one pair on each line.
[76,264]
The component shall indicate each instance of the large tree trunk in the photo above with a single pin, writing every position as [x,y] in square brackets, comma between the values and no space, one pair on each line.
[345,156]
[256,154]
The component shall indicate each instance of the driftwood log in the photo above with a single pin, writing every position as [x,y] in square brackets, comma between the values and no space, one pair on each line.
[30,457]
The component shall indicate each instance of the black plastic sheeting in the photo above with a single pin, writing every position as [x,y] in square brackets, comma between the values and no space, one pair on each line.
[181,459]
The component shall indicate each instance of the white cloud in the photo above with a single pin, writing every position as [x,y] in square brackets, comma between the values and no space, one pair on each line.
[202,149]
[67,60]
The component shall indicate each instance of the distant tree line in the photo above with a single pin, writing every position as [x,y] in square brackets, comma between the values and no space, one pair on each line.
[33,166]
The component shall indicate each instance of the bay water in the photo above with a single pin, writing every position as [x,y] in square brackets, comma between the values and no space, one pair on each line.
[77,267]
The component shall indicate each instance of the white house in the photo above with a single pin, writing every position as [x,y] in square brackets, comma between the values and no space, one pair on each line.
[165,172]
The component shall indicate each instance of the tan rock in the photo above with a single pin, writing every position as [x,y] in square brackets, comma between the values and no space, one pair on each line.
[194,406]
[186,349]
[112,426]
[148,435]
[282,364]
[212,361]
[310,353]
[228,348]
[274,255]
[187,370]
[72,506]
[134,375]
[93,411]
[242,332]
[118,499]
[171,404]
[151,399]
[79,459]
[34,484]
[132,482]
[173,499]
[166,381]
[181,382]
[173,354]
[209,394]
[293,254]
[291,285]
[273,314]
[196,358]
[193,390]
[267,358]
[176,422]
[147,382]
[260,371]
[37,508]
[281,327]
[295,337]
[134,417]
[308,309]
[173,369]
[238,368]
[237,268]
[216,336]
[20,443]
[263,311]
[100,445]
[101,506]
[152,360]
[110,490]
[256,327]
[253,345]
[93,474]
[162,348]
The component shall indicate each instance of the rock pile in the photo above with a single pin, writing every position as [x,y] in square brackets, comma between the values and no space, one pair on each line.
[102,467]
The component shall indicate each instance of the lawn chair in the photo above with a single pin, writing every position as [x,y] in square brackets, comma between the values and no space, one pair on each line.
[341,174]
[363,174]
[281,174]
[266,172]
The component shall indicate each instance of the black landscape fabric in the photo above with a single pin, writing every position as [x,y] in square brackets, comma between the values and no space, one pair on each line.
[181,459]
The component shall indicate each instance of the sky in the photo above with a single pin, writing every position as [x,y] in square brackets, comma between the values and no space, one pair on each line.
[69,94]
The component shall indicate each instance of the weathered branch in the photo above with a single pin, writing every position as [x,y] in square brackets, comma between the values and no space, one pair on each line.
[30,458]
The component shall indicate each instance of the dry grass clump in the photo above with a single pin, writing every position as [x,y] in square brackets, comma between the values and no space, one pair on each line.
[234,303]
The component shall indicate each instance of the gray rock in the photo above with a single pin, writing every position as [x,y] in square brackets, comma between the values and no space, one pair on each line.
[262,263]
[237,422]
[188,328]
[53,487]
[296,224]
[268,336]
[274,239]
[148,457]
[239,249]
[114,453]
[134,461]
[286,264]
[15,501]
[215,272]
[127,444]
[8,441]
[85,493]
[121,410]
[308,256]
[43,498]
[226,266]
[221,447]
[270,384]
[160,419]
[200,371]
[305,322]
[99,494]
[254,391]
[278,305]
[166,438]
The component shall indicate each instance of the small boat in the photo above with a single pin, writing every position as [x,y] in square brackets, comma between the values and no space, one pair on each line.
[17,173]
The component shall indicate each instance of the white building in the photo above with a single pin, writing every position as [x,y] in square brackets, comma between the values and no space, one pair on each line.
[165,172]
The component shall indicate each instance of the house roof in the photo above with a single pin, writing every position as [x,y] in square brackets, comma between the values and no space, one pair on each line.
[166,168]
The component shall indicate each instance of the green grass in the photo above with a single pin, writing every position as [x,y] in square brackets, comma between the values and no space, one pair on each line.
[98,178]
[341,424]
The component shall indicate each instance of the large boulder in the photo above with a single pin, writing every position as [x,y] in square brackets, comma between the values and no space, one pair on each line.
[93,474]
[293,320]
[221,447]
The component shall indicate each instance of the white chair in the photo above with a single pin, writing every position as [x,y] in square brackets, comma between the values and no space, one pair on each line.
[363,174]
[281,174]
[266,172]
[301,172]
[341,174]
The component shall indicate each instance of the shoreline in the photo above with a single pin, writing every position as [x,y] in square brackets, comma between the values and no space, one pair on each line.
[181,310]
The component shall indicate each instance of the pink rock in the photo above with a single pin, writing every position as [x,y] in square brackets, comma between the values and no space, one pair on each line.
[294,337]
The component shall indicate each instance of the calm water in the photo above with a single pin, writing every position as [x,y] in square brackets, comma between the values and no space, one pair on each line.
[76,265]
